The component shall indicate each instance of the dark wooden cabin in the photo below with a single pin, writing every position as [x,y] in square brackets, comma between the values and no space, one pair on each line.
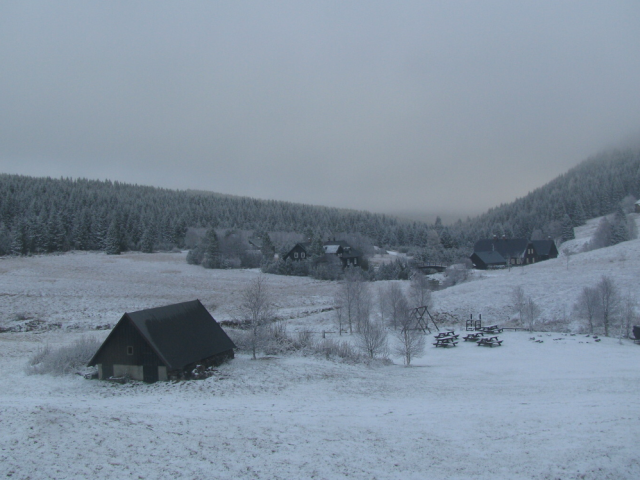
[348,255]
[545,249]
[163,343]
[514,251]
[298,252]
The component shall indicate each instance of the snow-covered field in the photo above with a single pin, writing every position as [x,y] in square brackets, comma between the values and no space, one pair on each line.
[566,408]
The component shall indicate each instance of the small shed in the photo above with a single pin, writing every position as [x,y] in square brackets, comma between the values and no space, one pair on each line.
[162,343]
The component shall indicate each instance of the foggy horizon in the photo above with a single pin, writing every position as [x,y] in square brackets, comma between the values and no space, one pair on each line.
[445,108]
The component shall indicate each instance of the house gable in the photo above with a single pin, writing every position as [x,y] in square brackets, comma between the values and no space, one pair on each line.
[298,252]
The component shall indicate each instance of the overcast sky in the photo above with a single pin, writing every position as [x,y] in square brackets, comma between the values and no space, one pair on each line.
[415,106]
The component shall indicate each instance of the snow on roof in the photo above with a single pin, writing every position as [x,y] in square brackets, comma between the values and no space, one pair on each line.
[331,248]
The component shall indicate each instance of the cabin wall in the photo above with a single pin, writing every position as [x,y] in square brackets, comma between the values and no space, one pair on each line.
[125,354]
[133,371]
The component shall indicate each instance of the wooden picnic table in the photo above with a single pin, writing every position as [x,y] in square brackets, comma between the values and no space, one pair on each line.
[450,333]
[473,337]
[446,342]
[491,329]
[489,342]
[446,339]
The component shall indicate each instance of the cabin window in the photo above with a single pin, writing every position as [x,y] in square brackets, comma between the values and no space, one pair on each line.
[295,254]
[130,350]
[302,255]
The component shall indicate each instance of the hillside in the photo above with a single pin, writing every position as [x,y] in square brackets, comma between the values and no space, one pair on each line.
[40,215]
[554,284]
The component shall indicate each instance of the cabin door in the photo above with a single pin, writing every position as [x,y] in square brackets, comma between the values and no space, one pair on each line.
[149,365]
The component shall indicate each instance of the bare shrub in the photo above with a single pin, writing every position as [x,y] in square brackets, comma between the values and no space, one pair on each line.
[372,339]
[340,349]
[63,360]
[304,340]
[275,339]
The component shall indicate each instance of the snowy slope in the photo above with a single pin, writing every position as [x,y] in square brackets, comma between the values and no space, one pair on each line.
[554,284]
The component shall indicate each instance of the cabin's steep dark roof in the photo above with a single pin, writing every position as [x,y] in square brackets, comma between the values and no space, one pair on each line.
[180,334]
[491,258]
[544,247]
[507,247]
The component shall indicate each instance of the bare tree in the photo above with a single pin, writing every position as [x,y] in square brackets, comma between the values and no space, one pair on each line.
[419,291]
[411,341]
[518,299]
[349,296]
[531,312]
[393,299]
[363,304]
[587,306]
[629,314]
[372,338]
[257,308]
[609,302]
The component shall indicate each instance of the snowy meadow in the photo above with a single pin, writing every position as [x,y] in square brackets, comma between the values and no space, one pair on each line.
[563,406]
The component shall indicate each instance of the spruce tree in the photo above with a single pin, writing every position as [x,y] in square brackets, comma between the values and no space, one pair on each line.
[112,240]
[147,241]
[567,229]
[211,250]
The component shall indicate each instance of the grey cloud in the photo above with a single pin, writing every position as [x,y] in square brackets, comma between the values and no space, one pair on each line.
[418,106]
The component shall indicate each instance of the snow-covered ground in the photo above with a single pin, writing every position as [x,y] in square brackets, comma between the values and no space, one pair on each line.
[566,408]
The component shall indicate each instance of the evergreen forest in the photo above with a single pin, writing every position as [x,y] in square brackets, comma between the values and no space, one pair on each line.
[46,215]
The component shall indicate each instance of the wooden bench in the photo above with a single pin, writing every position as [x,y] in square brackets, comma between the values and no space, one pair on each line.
[489,342]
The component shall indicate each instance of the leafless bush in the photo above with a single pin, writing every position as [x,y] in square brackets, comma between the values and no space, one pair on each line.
[411,341]
[63,360]
[372,339]
[304,340]
[275,339]
[340,349]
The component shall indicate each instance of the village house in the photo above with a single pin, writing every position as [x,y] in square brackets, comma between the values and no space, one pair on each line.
[163,343]
[501,252]
[348,255]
